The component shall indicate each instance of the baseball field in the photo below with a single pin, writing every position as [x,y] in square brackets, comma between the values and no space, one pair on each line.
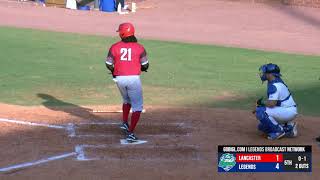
[198,93]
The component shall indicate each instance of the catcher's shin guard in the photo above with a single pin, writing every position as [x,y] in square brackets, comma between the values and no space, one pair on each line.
[268,123]
[263,128]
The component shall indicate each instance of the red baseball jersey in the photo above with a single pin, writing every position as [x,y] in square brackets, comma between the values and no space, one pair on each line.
[127,58]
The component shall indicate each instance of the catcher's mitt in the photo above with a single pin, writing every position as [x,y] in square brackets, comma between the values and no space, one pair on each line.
[259,103]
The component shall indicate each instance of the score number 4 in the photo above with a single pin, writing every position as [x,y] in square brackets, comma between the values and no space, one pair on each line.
[277,165]
[125,54]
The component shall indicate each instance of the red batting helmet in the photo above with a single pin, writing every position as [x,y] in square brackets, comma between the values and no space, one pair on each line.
[125,30]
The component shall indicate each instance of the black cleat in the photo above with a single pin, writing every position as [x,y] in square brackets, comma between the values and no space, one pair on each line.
[131,138]
[124,127]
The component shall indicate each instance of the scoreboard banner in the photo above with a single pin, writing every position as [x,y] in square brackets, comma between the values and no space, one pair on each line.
[237,158]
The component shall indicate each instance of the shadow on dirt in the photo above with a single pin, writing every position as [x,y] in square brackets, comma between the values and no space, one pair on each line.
[189,150]
[189,156]
[55,104]
[297,14]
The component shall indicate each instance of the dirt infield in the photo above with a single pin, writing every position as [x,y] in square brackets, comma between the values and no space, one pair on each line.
[182,142]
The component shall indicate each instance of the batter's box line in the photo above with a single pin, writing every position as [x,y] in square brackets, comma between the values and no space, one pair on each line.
[23,122]
[32,123]
[71,127]
[79,153]
[144,147]
[113,135]
[37,162]
[80,149]
[117,123]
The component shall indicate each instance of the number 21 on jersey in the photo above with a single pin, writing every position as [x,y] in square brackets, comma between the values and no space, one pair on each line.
[125,54]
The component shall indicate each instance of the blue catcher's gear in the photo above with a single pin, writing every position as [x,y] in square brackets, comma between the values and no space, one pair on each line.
[277,135]
[276,121]
[269,69]
[263,128]
[291,129]
[277,86]
[268,125]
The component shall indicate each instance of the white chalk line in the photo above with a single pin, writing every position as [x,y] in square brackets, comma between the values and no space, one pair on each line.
[79,149]
[118,146]
[115,135]
[98,123]
[71,126]
[33,163]
[125,142]
[81,154]
[141,124]
[71,130]
[148,159]
[31,123]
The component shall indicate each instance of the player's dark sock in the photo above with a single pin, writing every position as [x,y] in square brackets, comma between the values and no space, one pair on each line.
[134,120]
[125,112]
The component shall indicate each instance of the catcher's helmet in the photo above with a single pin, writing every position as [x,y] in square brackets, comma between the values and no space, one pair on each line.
[269,69]
[125,30]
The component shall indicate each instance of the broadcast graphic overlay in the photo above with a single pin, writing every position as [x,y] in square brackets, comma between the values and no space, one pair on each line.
[239,158]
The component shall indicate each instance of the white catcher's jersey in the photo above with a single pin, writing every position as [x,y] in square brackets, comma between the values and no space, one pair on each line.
[286,109]
[278,91]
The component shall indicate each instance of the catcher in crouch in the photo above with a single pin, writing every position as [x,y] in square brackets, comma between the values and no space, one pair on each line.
[277,113]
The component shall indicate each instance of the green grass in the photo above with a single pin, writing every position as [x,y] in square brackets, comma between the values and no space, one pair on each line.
[70,67]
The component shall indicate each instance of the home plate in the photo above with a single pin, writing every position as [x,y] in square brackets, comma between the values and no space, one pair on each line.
[124,142]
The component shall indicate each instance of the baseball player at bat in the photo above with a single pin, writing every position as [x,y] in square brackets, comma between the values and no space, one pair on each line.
[126,59]
[276,114]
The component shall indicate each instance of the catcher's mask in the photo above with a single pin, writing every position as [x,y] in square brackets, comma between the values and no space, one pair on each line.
[269,69]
